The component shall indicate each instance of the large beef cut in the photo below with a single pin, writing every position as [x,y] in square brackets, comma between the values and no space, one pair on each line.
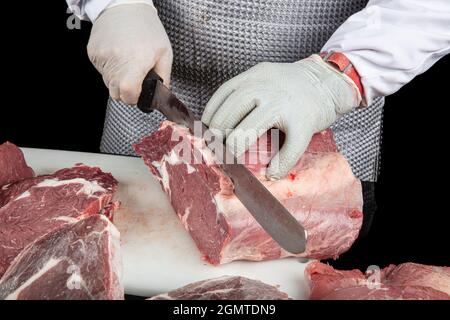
[78,261]
[225,288]
[12,164]
[321,192]
[406,281]
[33,207]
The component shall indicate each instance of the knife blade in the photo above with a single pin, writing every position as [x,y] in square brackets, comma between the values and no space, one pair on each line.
[273,217]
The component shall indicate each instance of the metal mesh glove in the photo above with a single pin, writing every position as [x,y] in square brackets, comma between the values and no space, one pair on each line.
[127,41]
[299,98]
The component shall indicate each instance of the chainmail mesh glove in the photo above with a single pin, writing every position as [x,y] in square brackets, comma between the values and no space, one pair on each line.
[300,99]
[127,41]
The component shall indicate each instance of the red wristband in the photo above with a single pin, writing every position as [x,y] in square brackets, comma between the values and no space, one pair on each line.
[343,64]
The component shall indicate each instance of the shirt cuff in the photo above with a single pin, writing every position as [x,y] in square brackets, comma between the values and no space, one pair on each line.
[94,8]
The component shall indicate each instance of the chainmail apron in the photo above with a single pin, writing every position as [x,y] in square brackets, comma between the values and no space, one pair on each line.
[214,41]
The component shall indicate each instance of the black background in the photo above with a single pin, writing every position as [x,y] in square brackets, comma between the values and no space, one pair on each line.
[52,97]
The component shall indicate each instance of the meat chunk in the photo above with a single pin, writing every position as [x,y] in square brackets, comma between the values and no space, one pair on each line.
[407,281]
[78,261]
[321,192]
[414,274]
[225,288]
[12,164]
[33,207]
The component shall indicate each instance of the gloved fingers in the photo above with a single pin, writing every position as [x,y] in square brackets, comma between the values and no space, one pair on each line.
[127,83]
[220,96]
[114,91]
[126,42]
[130,84]
[163,67]
[235,108]
[250,129]
[295,144]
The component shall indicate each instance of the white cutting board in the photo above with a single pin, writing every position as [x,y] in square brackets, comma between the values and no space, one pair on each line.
[158,254]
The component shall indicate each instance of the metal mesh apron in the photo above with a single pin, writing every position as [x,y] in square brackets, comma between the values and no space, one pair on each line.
[214,41]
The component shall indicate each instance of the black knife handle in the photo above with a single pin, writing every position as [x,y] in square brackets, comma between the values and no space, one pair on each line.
[148,91]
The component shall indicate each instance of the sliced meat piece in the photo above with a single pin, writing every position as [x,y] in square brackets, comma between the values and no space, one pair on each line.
[415,274]
[12,164]
[408,281]
[321,192]
[37,206]
[78,261]
[324,279]
[225,288]
[387,293]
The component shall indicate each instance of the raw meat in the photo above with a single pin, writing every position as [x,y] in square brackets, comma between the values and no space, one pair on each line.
[405,281]
[225,288]
[12,164]
[78,261]
[321,192]
[34,207]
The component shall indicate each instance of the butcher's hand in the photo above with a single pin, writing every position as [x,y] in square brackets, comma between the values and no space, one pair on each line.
[299,98]
[126,42]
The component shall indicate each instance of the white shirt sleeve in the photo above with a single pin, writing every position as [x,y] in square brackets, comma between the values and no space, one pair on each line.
[91,9]
[391,42]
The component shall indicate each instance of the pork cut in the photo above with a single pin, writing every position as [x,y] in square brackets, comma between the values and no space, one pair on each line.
[34,207]
[225,288]
[321,192]
[407,281]
[12,164]
[77,261]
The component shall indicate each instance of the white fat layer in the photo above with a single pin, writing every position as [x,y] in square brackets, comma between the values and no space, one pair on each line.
[48,265]
[221,291]
[116,257]
[162,296]
[190,169]
[185,217]
[114,243]
[88,187]
[66,219]
[172,159]
[218,201]
[74,278]
[23,195]
[164,175]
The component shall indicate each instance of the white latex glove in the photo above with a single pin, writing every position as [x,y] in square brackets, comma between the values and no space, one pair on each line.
[126,42]
[299,98]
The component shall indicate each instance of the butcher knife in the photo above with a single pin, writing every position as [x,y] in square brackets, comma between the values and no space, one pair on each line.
[273,217]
